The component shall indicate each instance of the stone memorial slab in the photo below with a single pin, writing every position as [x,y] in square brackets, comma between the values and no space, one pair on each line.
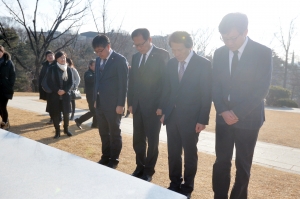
[29,169]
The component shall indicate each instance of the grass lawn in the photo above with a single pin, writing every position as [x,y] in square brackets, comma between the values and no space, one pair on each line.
[264,183]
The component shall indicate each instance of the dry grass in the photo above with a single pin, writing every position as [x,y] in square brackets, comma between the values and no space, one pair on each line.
[265,182]
[280,128]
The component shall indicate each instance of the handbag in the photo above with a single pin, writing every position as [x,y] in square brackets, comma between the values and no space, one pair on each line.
[44,83]
[75,94]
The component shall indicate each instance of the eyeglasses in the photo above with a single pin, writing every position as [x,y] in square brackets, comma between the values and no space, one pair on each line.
[230,39]
[139,45]
[99,51]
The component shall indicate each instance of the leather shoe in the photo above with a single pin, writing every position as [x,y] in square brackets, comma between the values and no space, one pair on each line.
[112,165]
[137,173]
[68,133]
[103,161]
[57,134]
[78,124]
[175,189]
[146,177]
[188,195]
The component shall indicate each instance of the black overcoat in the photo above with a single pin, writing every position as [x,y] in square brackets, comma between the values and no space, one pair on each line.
[53,98]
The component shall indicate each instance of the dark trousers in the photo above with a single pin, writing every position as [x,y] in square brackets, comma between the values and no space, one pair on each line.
[179,138]
[3,108]
[73,106]
[146,127]
[244,141]
[88,115]
[56,117]
[110,134]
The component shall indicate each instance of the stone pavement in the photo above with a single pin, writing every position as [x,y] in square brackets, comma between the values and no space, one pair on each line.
[266,154]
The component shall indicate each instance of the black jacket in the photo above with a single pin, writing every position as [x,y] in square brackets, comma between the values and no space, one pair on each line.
[53,80]
[89,81]
[7,77]
[45,66]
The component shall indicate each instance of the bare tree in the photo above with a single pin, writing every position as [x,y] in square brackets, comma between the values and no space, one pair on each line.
[39,40]
[286,44]
[201,39]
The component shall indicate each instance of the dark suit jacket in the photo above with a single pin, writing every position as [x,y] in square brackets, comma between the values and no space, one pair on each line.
[145,83]
[89,83]
[191,96]
[247,88]
[112,83]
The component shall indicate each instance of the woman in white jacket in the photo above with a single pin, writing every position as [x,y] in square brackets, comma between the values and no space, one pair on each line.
[76,82]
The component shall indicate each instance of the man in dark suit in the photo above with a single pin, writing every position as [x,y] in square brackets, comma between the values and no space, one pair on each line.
[89,82]
[109,98]
[186,107]
[241,79]
[144,100]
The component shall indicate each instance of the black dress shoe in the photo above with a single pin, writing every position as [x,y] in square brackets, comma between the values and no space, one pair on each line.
[103,161]
[68,133]
[112,165]
[57,134]
[146,177]
[78,124]
[137,173]
[175,189]
[188,195]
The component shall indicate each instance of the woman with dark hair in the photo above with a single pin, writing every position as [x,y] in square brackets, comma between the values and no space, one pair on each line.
[76,82]
[59,79]
[7,81]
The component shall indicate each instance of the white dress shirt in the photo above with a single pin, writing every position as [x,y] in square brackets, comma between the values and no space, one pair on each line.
[187,60]
[147,55]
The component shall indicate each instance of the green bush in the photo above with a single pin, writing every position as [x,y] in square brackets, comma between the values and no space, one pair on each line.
[276,93]
[287,103]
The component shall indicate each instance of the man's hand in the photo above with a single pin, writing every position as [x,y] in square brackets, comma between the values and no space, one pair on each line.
[95,104]
[199,127]
[158,112]
[130,109]
[119,109]
[61,92]
[162,119]
[229,117]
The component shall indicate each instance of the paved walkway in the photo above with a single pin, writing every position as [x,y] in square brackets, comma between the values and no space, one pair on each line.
[266,154]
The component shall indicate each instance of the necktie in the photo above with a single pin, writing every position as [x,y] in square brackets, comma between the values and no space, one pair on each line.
[234,62]
[143,61]
[102,65]
[181,70]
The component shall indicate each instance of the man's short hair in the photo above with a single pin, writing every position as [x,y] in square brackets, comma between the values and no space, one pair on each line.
[181,37]
[141,31]
[48,52]
[233,20]
[91,62]
[100,41]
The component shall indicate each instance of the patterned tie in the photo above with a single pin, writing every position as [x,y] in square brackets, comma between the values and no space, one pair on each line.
[181,70]
[102,65]
[234,62]
[143,61]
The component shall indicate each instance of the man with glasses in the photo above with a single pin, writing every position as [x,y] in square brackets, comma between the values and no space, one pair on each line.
[144,100]
[186,107]
[109,98]
[241,79]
